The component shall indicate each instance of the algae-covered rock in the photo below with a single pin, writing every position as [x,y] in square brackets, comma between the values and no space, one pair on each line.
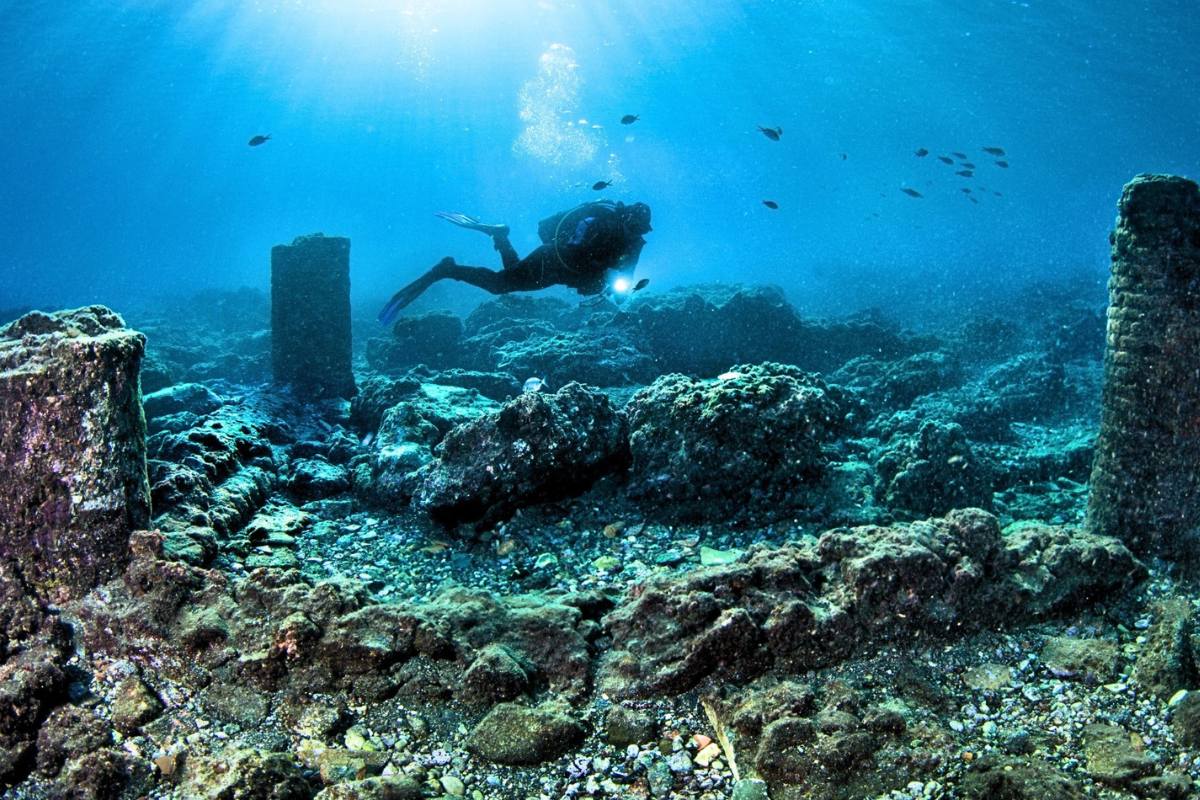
[1055,567]
[802,607]
[134,705]
[377,394]
[1111,757]
[69,732]
[750,439]
[496,674]
[515,734]
[1167,662]
[701,330]
[72,448]
[538,447]
[316,478]
[392,787]
[1089,660]
[599,357]
[932,472]
[624,726]
[408,432]
[893,385]
[994,778]
[243,774]
[194,398]
[433,339]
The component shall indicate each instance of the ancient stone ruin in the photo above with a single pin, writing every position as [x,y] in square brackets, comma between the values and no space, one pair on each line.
[1145,485]
[310,315]
[72,449]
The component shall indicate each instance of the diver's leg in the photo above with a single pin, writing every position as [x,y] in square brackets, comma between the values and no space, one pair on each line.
[508,253]
[489,280]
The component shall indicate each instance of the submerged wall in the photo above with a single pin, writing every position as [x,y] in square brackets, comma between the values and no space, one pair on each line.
[1146,474]
[310,315]
[72,449]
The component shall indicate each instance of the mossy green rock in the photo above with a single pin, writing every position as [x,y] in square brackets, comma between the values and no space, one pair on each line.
[244,775]
[388,788]
[1000,779]
[134,705]
[1111,758]
[515,734]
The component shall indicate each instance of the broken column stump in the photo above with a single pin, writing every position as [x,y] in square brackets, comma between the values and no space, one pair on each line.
[1145,486]
[72,449]
[310,315]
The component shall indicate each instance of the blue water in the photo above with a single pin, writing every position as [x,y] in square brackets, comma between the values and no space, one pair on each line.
[127,176]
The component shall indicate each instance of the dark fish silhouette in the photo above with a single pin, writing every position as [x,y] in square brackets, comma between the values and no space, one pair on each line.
[921,152]
[844,156]
[973,200]
[629,119]
[968,165]
[911,192]
[965,190]
[997,194]
[945,160]
[257,140]
[994,151]
[770,204]
[1002,164]
[966,173]
[598,185]
[959,155]
[771,133]
[642,284]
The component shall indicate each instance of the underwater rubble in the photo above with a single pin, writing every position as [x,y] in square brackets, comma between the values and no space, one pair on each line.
[716,550]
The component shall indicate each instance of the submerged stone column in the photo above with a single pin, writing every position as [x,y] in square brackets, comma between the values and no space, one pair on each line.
[72,449]
[310,315]
[1145,486]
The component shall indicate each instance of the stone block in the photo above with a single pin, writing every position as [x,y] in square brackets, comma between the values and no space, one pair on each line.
[310,315]
[72,448]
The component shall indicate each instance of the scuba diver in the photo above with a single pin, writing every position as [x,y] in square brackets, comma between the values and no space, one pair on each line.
[592,248]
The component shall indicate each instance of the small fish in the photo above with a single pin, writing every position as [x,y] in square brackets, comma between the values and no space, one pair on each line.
[598,185]
[629,119]
[771,204]
[994,151]
[973,200]
[844,156]
[921,152]
[911,192]
[945,159]
[370,437]
[968,165]
[642,284]
[966,173]
[729,376]
[533,385]
[257,140]
[1002,164]
[959,155]
[771,133]
[965,190]
[997,194]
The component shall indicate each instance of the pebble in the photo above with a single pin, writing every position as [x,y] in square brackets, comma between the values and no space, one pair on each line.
[453,785]
[680,763]
[707,754]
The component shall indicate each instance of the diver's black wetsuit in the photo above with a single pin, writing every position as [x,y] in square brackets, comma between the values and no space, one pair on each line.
[603,237]
[579,266]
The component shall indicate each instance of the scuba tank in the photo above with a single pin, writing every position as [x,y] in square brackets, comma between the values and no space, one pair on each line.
[558,229]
